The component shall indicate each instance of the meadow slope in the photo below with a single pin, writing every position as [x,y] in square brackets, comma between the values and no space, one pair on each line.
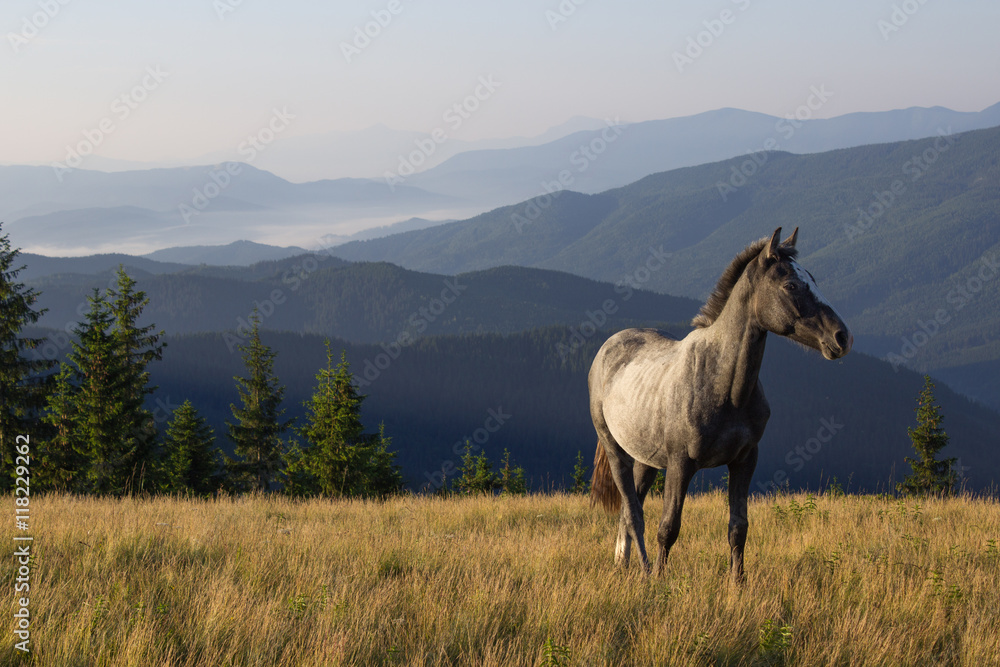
[855,580]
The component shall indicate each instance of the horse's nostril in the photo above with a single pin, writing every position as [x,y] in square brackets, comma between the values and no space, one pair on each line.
[841,338]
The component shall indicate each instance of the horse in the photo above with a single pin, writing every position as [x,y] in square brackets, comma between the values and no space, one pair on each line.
[682,405]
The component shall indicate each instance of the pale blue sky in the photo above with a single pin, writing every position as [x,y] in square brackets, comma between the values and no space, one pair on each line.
[607,59]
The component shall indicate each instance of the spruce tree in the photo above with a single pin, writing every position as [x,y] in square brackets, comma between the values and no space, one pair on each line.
[338,458]
[22,389]
[475,474]
[383,476]
[510,479]
[191,460]
[929,475]
[115,435]
[257,429]
[136,347]
[60,462]
[99,403]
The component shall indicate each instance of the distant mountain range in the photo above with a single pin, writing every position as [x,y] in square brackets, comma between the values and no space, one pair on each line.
[138,211]
[374,150]
[169,260]
[368,152]
[237,253]
[618,154]
[133,211]
[893,232]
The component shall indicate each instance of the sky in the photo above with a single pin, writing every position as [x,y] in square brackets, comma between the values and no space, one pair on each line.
[175,80]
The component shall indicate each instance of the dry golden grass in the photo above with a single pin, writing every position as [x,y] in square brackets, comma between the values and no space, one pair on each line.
[506,581]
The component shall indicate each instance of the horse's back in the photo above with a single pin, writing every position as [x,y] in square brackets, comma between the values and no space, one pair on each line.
[623,348]
[626,347]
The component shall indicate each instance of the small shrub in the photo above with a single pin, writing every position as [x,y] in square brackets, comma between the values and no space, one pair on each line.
[834,489]
[511,479]
[774,640]
[554,655]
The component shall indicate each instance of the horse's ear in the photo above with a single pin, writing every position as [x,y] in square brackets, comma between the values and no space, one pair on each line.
[771,251]
[790,241]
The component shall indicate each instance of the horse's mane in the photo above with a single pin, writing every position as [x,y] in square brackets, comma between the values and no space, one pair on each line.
[717,301]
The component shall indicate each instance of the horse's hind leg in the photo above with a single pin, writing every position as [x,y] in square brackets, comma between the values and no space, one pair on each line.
[631,525]
[644,476]
[740,473]
[623,545]
[675,486]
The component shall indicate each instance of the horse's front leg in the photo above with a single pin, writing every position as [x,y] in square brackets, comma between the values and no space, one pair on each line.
[675,485]
[740,473]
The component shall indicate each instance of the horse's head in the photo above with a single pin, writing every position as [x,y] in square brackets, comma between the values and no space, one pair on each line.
[788,302]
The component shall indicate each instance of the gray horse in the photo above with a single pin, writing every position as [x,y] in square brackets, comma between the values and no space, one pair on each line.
[682,405]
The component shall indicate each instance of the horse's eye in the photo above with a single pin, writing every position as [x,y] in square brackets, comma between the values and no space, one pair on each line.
[790,287]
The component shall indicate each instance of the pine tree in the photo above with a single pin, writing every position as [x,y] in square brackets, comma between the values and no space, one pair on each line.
[22,389]
[191,460]
[929,475]
[338,458]
[257,429]
[383,477]
[475,474]
[510,479]
[115,434]
[136,347]
[103,438]
[98,403]
[59,464]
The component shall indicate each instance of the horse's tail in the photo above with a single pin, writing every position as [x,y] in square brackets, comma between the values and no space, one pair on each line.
[603,491]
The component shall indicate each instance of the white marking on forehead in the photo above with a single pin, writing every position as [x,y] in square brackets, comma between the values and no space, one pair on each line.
[811,284]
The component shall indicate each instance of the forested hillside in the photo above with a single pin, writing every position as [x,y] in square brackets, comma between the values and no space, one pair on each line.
[370,302]
[440,391]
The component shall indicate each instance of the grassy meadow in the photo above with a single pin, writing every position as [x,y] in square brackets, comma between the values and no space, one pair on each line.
[855,580]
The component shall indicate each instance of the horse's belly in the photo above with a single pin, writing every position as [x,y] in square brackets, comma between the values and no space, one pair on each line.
[655,439]
[725,446]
